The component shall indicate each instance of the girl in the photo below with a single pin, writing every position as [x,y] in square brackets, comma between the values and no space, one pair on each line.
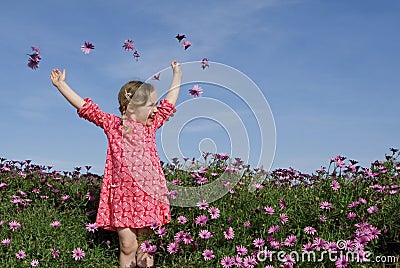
[133,193]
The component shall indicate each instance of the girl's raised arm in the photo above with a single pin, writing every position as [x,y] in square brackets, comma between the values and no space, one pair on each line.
[58,79]
[173,93]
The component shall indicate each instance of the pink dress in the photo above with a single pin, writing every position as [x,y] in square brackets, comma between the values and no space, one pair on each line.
[134,191]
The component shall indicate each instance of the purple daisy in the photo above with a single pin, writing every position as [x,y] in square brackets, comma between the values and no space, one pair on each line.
[14,225]
[20,254]
[182,219]
[205,234]
[172,248]
[269,210]
[208,254]
[196,91]
[87,47]
[227,262]
[241,250]
[273,229]
[214,212]
[310,230]
[203,205]
[128,45]
[326,205]
[201,220]
[229,234]
[78,254]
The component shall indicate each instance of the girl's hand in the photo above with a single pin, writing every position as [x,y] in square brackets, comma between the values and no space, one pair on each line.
[176,67]
[57,77]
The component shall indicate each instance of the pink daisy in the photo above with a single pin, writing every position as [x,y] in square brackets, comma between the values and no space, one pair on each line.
[351,215]
[55,253]
[187,238]
[14,225]
[172,248]
[372,209]
[241,250]
[182,219]
[78,254]
[205,234]
[214,212]
[273,229]
[186,44]
[208,255]
[203,205]
[342,262]
[201,220]
[269,210]
[161,232]
[309,230]
[290,240]
[196,91]
[20,255]
[282,203]
[284,218]
[55,224]
[258,242]
[246,224]
[6,241]
[65,197]
[335,185]
[229,234]
[227,262]
[249,261]
[91,227]
[354,204]
[128,45]
[87,47]
[326,205]
[34,263]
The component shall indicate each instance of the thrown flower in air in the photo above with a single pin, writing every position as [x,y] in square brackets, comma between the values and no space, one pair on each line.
[136,55]
[34,58]
[196,91]
[186,44]
[87,47]
[204,63]
[156,77]
[128,45]
[180,37]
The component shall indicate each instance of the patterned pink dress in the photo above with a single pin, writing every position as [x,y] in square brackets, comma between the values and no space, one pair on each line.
[134,191]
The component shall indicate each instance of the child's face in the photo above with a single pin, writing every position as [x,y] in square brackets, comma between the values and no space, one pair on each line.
[144,114]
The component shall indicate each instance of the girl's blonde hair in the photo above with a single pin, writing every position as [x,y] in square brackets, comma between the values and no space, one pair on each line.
[135,92]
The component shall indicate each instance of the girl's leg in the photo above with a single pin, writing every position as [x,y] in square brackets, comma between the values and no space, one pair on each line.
[143,259]
[128,246]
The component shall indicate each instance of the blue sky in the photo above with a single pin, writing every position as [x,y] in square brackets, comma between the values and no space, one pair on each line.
[328,70]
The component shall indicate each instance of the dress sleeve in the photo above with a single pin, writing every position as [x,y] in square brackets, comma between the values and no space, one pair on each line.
[165,110]
[92,112]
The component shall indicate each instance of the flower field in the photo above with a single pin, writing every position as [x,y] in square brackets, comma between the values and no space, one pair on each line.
[343,215]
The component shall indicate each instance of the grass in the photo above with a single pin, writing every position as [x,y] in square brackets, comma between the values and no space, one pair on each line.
[272,215]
